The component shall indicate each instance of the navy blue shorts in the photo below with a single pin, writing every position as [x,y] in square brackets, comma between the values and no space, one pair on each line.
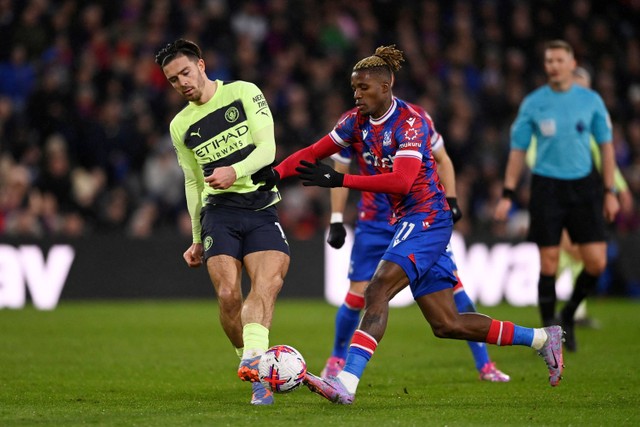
[370,242]
[238,232]
[422,253]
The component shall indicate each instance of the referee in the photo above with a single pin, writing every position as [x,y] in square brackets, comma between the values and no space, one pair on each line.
[566,189]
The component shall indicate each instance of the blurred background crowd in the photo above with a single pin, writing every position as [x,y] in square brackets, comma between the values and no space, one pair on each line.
[84,110]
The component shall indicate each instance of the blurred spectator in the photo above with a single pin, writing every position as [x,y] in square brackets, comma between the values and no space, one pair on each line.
[84,113]
[15,216]
[114,211]
[31,30]
[55,179]
[163,180]
[17,77]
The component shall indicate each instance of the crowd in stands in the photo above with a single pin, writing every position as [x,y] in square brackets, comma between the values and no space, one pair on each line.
[84,110]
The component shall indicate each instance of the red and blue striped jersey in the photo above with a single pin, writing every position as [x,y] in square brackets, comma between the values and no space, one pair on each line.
[371,206]
[404,130]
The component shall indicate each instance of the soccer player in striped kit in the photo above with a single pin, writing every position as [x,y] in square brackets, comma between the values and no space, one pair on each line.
[372,236]
[397,141]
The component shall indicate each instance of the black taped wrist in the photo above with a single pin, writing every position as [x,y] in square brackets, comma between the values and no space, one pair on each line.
[508,193]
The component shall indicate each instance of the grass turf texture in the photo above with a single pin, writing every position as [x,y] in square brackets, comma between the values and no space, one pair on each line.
[169,364]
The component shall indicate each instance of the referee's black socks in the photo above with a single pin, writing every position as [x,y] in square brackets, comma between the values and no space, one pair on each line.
[585,285]
[547,299]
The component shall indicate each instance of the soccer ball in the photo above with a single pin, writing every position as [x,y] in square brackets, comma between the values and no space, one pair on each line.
[282,369]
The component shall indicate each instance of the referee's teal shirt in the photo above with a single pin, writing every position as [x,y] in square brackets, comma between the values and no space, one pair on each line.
[562,123]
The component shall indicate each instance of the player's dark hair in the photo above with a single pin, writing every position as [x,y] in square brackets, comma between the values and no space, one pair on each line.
[385,58]
[558,44]
[178,47]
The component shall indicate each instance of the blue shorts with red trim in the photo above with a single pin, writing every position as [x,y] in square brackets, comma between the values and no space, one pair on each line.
[421,250]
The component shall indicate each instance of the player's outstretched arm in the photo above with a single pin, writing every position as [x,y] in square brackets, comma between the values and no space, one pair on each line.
[319,150]
[319,174]
[399,181]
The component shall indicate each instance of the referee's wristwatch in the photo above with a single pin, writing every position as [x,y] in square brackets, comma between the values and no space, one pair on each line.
[611,190]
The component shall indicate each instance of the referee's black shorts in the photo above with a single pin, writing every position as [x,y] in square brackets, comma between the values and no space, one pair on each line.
[572,204]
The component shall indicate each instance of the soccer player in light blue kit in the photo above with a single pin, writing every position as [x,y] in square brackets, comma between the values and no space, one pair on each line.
[372,236]
[566,189]
[397,141]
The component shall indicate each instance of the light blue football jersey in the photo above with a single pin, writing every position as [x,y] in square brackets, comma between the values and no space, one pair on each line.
[562,123]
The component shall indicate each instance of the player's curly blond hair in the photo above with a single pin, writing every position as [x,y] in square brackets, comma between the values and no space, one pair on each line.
[385,56]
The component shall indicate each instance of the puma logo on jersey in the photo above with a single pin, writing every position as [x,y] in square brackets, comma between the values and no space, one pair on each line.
[196,133]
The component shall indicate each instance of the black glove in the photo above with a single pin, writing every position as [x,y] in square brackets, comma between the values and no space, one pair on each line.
[337,234]
[456,213]
[268,175]
[318,174]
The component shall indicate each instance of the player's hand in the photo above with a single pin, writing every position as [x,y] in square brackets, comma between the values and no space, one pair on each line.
[319,175]
[625,198]
[456,213]
[502,210]
[611,207]
[193,255]
[268,175]
[221,178]
[337,234]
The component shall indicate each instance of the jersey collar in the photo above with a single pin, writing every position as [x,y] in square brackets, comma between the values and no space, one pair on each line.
[385,116]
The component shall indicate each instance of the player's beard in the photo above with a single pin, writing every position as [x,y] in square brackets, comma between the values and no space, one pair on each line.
[197,91]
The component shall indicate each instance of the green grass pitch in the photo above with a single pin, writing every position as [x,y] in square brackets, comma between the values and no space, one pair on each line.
[168,363]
